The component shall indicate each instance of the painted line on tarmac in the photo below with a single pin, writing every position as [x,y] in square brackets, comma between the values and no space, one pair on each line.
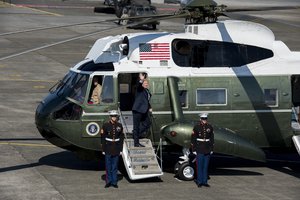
[24,80]
[54,6]
[34,9]
[26,144]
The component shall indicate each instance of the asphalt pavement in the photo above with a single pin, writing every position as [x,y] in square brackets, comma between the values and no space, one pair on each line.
[32,61]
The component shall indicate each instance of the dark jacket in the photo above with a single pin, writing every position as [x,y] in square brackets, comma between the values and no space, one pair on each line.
[142,99]
[112,137]
[202,140]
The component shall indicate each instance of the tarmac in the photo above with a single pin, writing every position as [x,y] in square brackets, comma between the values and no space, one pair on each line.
[32,61]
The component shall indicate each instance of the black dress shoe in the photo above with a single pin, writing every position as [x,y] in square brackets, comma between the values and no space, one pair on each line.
[206,185]
[115,185]
[107,185]
[139,145]
[199,185]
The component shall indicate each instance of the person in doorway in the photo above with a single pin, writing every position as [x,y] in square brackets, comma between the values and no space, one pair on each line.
[140,109]
[202,142]
[112,137]
[96,95]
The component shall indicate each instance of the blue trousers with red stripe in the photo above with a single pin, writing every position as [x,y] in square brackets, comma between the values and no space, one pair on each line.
[202,168]
[111,164]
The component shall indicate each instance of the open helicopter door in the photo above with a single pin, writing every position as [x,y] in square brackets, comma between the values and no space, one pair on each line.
[295,81]
[140,162]
[127,87]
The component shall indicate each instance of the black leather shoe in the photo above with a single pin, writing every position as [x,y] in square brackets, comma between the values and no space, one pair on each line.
[199,185]
[115,185]
[107,185]
[206,185]
[139,145]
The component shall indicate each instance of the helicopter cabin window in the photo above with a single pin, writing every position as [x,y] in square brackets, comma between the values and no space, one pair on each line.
[271,97]
[211,96]
[101,90]
[203,53]
[68,111]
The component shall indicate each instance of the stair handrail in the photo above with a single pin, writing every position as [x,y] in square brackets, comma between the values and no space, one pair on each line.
[125,135]
[159,148]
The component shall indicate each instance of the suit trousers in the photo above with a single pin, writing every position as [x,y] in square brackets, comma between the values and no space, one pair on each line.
[141,123]
[111,165]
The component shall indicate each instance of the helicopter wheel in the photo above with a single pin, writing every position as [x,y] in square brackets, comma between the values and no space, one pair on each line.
[184,171]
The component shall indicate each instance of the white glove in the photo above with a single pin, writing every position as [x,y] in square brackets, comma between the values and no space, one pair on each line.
[121,153]
[211,152]
[103,153]
[194,152]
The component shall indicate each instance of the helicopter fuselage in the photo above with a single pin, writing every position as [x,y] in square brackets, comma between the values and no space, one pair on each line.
[236,71]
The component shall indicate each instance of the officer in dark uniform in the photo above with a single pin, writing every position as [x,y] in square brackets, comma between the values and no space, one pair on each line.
[140,109]
[202,142]
[112,137]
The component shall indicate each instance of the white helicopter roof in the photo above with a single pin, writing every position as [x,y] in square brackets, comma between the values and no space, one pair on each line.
[109,49]
[228,31]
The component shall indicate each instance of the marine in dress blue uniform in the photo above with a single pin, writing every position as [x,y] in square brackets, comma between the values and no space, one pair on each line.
[202,142]
[140,110]
[112,137]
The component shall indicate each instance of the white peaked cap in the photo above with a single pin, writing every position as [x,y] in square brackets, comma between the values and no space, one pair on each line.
[203,115]
[113,112]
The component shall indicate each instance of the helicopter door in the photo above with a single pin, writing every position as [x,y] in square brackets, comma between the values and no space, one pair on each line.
[127,86]
[295,81]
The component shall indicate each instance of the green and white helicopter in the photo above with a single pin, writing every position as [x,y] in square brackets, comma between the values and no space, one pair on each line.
[236,71]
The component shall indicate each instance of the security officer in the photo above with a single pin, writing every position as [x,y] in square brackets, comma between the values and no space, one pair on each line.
[202,142]
[112,137]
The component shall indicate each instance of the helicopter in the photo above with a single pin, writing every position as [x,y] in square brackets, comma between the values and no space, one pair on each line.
[130,8]
[236,71]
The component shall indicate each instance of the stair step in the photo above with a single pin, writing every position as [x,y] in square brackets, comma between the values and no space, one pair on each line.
[146,163]
[140,162]
[147,172]
[150,155]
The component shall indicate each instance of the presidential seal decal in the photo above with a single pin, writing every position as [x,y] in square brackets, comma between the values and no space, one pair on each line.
[92,129]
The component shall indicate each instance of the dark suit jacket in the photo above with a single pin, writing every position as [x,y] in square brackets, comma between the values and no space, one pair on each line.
[142,99]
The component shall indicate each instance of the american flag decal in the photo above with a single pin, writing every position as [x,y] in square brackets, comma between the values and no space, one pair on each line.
[154,51]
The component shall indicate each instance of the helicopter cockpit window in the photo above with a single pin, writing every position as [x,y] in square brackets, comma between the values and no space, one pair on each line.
[79,89]
[101,90]
[91,67]
[203,53]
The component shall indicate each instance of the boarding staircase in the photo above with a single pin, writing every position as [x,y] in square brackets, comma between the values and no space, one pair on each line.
[140,162]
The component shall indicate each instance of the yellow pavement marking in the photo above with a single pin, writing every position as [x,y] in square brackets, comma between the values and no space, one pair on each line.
[39,87]
[19,79]
[26,144]
[34,9]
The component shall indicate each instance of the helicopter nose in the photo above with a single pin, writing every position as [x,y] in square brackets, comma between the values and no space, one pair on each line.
[41,116]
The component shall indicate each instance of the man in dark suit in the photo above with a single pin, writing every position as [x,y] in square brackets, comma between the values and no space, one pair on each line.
[140,109]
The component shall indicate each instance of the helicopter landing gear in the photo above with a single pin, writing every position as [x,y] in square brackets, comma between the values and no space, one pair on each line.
[184,169]
[123,21]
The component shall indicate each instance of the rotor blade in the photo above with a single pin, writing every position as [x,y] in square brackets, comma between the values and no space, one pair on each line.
[107,10]
[149,21]
[261,8]
[146,16]
[58,43]
[59,26]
